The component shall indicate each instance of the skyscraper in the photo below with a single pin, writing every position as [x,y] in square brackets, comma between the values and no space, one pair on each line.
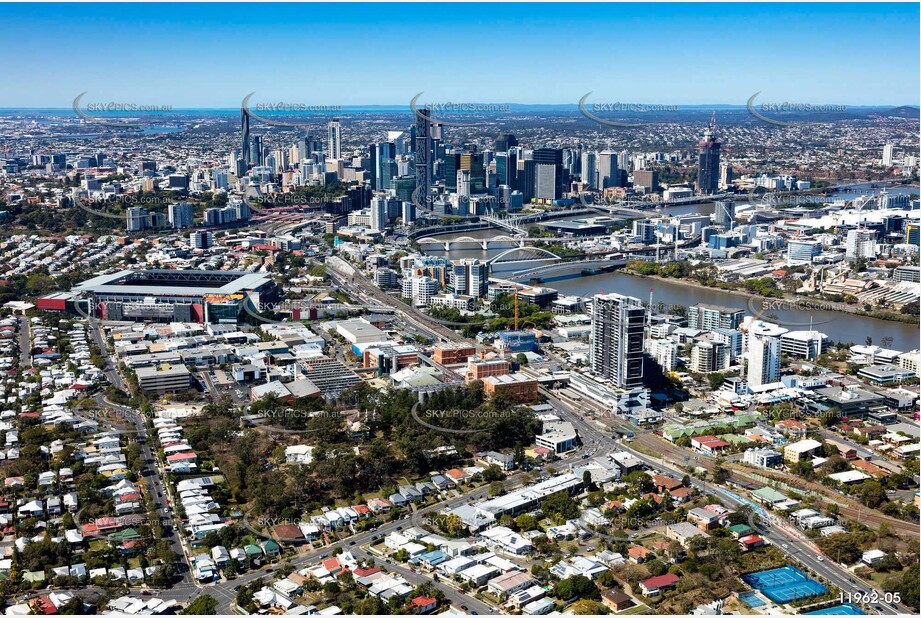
[180,215]
[334,139]
[607,169]
[588,169]
[378,213]
[724,214]
[423,159]
[763,360]
[617,339]
[549,175]
[708,162]
[244,125]
[504,141]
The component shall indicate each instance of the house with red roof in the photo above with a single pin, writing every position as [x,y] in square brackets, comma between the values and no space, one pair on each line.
[639,554]
[709,444]
[43,606]
[750,542]
[654,586]
[423,604]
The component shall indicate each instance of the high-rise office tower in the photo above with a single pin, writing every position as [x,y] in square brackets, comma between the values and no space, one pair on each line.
[888,152]
[708,162]
[724,214]
[550,177]
[470,276]
[244,126]
[617,339]
[504,141]
[607,169]
[383,165]
[588,169]
[334,139]
[502,177]
[201,239]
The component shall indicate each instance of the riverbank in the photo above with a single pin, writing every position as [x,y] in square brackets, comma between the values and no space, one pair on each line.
[788,301]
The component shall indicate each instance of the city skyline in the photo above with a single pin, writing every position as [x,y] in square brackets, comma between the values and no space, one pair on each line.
[752,48]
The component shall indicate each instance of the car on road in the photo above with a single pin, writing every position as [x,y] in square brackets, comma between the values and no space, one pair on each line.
[820,558]
[464,607]
[785,546]
[146,593]
[351,542]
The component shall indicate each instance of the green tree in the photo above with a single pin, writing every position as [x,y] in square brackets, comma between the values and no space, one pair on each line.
[202,605]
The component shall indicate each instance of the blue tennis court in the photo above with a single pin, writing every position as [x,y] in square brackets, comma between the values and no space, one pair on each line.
[847,609]
[784,584]
[751,599]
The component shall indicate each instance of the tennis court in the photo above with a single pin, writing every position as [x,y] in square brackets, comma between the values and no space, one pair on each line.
[846,609]
[784,584]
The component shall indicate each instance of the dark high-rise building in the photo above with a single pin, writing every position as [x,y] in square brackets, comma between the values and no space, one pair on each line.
[549,175]
[423,159]
[474,163]
[244,126]
[504,141]
[502,168]
[708,162]
[383,165]
[256,151]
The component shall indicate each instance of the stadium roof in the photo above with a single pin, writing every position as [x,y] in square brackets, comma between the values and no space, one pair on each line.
[155,282]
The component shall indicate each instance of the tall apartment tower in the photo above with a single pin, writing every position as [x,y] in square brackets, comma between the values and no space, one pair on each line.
[378,214]
[334,139]
[763,360]
[708,162]
[423,159]
[617,339]
[888,152]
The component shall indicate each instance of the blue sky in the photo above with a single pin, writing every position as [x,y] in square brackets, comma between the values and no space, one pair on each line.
[212,55]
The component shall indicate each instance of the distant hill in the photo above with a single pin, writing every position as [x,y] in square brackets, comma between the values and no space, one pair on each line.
[903,111]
